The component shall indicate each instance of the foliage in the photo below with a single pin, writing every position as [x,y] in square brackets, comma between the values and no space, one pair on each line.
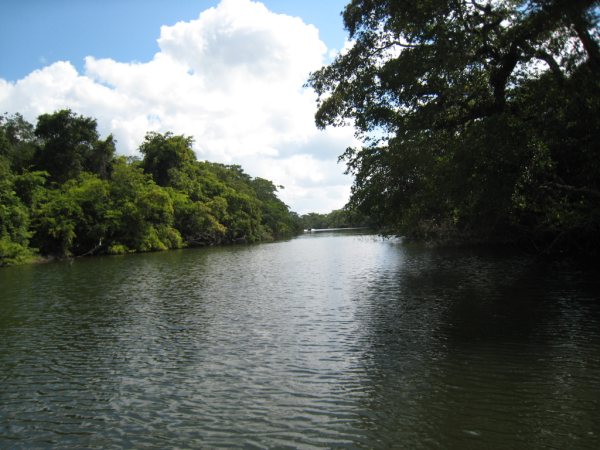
[14,222]
[166,154]
[69,145]
[63,193]
[339,218]
[17,142]
[480,120]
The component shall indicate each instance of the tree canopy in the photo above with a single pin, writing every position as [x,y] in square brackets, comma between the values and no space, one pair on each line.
[64,192]
[69,145]
[338,218]
[479,119]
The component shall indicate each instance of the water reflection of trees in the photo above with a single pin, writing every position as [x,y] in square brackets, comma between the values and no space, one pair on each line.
[465,349]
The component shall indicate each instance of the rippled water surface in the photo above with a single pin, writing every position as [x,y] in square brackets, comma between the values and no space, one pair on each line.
[327,340]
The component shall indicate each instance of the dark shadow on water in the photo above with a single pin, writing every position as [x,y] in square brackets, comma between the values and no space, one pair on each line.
[468,349]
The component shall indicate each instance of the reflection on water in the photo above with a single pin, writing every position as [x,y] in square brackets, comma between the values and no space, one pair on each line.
[473,352]
[330,339]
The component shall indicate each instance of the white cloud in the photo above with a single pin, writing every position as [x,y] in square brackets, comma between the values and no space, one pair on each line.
[233,79]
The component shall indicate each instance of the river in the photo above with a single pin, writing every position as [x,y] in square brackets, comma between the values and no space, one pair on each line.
[328,340]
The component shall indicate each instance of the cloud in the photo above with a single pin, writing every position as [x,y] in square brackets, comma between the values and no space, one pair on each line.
[233,79]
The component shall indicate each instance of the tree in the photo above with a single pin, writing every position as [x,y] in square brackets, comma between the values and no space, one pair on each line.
[142,212]
[14,222]
[338,218]
[165,155]
[99,161]
[275,214]
[70,145]
[17,142]
[63,193]
[475,116]
[196,221]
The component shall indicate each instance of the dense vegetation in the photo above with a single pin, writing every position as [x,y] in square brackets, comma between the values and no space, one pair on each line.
[64,192]
[479,119]
[338,218]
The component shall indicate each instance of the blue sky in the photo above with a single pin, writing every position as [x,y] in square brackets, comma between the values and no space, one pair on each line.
[34,33]
[230,73]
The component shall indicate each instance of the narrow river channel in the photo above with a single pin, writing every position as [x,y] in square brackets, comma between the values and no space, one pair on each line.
[326,340]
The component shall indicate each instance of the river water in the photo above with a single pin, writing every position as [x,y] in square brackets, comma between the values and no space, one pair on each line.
[329,340]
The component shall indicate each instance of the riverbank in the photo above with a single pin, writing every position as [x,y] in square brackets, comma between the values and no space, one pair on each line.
[46,259]
[70,194]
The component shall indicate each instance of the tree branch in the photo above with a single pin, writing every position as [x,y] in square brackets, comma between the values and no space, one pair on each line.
[554,67]
[589,44]
[572,189]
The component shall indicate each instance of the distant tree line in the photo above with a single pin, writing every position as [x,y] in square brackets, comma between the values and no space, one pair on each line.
[479,120]
[64,192]
[338,218]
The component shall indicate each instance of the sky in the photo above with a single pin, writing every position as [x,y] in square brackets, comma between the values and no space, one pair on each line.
[229,73]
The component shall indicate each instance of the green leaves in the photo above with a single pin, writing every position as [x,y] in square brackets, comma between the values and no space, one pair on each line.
[14,224]
[66,141]
[84,201]
[454,102]
[165,155]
